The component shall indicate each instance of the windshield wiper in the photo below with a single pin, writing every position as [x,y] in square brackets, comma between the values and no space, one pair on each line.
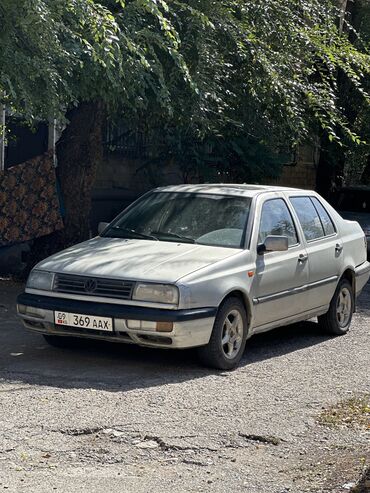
[173,235]
[132,232]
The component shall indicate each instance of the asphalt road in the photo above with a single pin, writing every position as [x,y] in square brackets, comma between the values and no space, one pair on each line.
[105,417]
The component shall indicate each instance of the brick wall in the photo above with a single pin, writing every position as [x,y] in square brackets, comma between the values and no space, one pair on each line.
[302,173]
[118,171]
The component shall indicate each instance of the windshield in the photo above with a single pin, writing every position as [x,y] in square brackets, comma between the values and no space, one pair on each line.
[207,219]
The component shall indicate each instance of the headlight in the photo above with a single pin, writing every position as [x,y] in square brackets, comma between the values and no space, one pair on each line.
[157,293]
[39,279]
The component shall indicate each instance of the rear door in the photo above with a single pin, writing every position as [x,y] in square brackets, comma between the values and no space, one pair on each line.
[281,277]
[324,248]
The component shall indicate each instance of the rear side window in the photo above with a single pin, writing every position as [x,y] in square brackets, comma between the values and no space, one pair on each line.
[326,220]
[277,220]
[308,217]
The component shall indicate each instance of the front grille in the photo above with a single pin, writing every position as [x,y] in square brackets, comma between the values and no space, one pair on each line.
[93,286]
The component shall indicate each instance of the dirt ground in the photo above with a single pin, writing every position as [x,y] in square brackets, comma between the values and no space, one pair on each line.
[104,417]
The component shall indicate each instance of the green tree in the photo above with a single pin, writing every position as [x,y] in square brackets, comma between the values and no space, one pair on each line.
[237,74]
[78,59]
[349,163]
[357,157]
[267,74]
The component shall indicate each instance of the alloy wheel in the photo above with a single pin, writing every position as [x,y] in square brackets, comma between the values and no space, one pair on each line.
[344,307]
[232,334]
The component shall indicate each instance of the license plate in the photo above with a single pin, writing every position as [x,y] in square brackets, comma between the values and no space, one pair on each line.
[83,321]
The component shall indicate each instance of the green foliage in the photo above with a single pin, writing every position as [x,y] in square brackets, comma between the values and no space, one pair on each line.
[357,155]
[57,53]
[51,51]
[245,76]
[266,75]
[276,63]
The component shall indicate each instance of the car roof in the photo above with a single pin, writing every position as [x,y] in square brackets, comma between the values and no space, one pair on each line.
[225,188]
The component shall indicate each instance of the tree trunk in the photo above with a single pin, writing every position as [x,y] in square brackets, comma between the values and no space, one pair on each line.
[329,175]
[79,151]
[331,161]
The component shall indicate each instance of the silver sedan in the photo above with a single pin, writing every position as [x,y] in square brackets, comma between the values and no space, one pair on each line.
[203,266]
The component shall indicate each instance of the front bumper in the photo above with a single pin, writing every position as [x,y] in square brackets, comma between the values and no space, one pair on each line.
[191,328]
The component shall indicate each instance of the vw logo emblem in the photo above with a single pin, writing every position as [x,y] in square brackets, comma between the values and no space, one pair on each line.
[90,285]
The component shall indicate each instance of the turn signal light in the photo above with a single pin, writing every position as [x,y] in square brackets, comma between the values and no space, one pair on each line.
[31,311]
[164,326]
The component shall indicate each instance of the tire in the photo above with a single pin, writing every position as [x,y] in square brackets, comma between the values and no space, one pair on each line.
[230,325]
[338,319]
[60,341]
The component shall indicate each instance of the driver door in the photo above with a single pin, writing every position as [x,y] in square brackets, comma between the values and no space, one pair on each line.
[281,277]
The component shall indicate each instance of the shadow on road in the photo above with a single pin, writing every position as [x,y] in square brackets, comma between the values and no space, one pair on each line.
[26,358]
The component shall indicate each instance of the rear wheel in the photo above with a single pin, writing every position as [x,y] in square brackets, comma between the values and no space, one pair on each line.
[60,341]
[338,319]
[227,342]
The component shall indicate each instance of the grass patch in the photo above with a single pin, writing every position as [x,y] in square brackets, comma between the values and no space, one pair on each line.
[354,412]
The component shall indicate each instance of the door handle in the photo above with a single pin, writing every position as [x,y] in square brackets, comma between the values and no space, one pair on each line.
[338,248]
[302,258]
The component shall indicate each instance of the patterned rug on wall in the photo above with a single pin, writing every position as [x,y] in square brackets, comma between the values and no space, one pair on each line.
[29,205]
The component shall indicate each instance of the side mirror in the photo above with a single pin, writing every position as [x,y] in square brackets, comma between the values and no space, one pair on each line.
[101,227]
[273,244]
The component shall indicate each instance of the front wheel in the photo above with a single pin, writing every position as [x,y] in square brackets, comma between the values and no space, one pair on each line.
[229,335]
[339,316]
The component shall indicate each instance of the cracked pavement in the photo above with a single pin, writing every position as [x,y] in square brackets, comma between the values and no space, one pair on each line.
[131,419]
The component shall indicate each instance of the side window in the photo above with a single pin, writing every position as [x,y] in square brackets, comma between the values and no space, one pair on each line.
[326,220]
[277,220]
[308,217]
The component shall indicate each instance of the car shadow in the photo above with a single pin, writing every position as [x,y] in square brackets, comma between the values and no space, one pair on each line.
[120,367]
[25,358]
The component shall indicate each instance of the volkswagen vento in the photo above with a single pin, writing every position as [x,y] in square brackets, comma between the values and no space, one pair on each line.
[204,266]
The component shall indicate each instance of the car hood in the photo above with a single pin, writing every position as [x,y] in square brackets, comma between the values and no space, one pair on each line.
[134,259]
